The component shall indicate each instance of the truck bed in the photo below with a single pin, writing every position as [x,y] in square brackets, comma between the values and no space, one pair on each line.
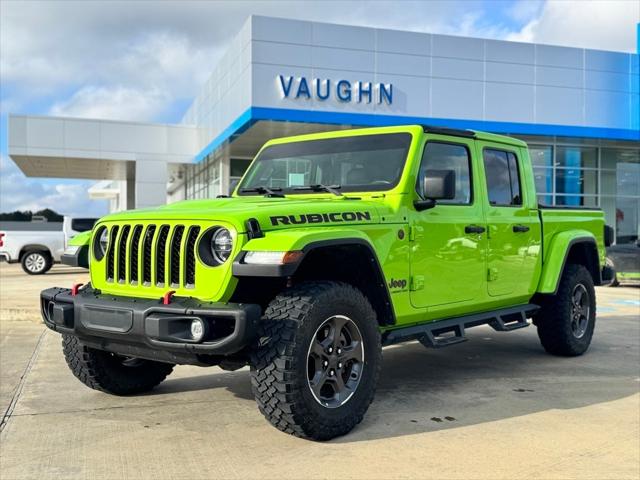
[556,220]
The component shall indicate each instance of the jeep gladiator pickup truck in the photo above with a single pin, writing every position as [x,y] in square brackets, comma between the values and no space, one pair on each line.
[332,246]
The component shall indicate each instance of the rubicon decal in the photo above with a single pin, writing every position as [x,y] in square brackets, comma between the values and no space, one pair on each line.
[336,217]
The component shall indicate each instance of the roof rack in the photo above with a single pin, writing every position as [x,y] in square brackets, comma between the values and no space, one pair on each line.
[455,132]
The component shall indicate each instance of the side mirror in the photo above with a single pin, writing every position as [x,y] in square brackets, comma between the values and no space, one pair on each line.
[437,185]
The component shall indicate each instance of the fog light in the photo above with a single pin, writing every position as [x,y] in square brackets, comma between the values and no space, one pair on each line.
[197,329]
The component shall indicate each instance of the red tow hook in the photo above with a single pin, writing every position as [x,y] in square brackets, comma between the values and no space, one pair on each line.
[166,299]
[75,288]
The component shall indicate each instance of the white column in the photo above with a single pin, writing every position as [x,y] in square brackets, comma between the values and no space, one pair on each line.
[151,183]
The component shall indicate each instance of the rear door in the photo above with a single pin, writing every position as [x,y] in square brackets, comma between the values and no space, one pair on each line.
[513,226]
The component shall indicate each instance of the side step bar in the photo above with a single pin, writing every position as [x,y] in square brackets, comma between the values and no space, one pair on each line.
[442,333]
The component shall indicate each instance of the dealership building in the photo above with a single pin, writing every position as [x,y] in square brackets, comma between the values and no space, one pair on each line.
[578,109]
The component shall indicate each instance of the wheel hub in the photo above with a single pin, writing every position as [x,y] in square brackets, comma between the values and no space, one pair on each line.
[334,361]
[580,310]
[34,262]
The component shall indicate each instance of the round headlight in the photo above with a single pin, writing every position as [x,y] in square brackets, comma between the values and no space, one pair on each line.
[100,243]
[104,241]
[221,245]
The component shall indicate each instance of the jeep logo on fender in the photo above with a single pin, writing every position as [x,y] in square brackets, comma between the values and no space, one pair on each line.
[319,218]
[397,284]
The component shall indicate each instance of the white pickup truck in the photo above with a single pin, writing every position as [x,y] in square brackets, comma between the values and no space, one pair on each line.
[37,245]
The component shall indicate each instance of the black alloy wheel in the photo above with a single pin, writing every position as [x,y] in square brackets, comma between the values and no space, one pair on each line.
[335,361]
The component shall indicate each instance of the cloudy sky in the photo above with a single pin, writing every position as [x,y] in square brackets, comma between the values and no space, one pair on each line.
[144,60]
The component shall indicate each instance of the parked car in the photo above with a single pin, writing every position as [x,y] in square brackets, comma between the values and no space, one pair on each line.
[38,245]
[332,246]
[624,258]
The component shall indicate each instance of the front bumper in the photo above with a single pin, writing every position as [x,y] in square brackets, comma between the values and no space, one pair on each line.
[147,328]
[607,275]
[78,259]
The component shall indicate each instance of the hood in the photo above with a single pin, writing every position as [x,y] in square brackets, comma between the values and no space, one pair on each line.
[271,213]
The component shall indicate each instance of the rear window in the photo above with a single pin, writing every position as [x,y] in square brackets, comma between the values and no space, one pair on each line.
[503,179]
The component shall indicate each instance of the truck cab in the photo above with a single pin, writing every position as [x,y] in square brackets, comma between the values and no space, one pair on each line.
[332,246]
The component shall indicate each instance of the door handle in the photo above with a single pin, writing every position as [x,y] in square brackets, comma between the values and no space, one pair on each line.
[474,229]
[520,229]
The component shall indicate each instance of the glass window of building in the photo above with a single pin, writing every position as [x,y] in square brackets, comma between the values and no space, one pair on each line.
[576,178]
[620,179]
[203,180]
[542,161]
[237,168]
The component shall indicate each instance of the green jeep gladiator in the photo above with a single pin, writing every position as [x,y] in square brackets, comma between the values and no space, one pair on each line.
[332,246]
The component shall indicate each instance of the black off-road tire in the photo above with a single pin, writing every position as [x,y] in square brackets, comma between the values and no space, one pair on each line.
[554,320]
[106,371]
[36,262]
[279,360]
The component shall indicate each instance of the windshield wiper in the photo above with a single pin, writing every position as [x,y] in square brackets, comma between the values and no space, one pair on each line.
[322,188]
[269,192]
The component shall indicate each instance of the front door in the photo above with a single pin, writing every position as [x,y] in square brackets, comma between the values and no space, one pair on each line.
[448,248]
[513,225]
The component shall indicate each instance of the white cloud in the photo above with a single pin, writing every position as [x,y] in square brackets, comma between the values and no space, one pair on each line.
[63,52]
[51,51]
[603,25]
[117,103]
[525,10]
[68,198]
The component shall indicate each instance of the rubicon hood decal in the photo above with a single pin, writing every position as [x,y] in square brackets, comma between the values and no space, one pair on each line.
[335,217]
[271,213]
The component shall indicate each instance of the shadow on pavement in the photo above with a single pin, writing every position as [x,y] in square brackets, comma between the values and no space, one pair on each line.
[238,383]
[491,377]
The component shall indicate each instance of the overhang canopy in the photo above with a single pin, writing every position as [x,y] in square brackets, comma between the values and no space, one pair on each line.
[95,149]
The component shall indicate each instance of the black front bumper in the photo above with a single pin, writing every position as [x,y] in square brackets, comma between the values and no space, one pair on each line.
[607,275]
[78,259]
[147,328]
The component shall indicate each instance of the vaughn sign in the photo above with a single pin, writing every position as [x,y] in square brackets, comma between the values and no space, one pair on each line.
[342,90]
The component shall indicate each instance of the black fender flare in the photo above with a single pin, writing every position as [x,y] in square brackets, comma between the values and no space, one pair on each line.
[591,242]
[241,269]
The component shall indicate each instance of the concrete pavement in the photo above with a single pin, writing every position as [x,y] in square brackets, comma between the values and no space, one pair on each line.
[494,407]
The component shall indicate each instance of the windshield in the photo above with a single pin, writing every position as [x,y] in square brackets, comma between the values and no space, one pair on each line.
[351,164]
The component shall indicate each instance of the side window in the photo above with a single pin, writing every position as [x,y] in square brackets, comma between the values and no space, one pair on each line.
[448,156]
[503,179]
[514,175]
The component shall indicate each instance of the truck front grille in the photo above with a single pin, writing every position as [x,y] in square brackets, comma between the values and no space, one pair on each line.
[147,247]
[190,275]
[176,250]
[135,248]
[113,234]
[122,257]
[159,255]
